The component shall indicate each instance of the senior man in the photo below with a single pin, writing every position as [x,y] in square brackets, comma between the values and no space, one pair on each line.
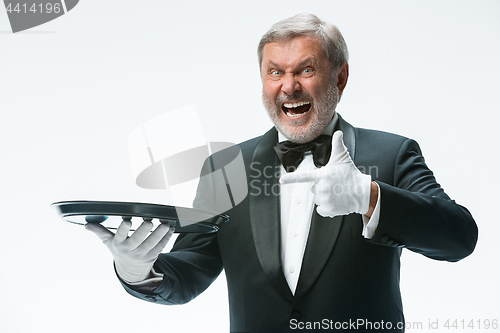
[324,252]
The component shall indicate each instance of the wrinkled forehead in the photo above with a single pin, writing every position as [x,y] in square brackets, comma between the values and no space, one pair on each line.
[297,47]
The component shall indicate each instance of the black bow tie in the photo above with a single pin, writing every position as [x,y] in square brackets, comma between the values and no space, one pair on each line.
[291,153]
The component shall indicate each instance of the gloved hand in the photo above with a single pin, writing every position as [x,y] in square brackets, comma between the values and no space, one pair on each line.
[339,187]
[135,255]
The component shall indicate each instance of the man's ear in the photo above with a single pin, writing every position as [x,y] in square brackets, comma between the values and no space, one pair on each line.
[342,75]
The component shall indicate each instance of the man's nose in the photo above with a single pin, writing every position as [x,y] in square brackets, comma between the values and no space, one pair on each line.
[290,84]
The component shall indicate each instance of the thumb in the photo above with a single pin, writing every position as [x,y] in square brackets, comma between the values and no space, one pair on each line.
[102,232]
[339,154]
[305,176]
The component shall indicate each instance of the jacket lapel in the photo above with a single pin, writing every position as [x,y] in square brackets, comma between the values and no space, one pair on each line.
[322,237]
[349,136]
[264,210]
[324,230]
[265,219]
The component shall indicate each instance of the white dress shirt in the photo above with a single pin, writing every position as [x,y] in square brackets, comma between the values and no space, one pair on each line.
[296,208]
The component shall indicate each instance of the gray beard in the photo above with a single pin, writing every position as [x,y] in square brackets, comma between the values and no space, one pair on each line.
[323,109]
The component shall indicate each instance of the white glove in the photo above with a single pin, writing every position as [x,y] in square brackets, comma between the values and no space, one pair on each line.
[339,187]
[135,255]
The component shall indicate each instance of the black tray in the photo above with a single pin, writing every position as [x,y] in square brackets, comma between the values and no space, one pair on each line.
[111,213]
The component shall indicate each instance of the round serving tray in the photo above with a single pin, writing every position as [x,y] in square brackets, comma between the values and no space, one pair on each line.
[111,213]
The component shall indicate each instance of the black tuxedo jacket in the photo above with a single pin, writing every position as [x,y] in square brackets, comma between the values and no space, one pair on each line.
[346,281]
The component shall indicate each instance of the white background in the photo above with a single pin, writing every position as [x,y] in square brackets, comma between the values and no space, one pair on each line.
[72,90]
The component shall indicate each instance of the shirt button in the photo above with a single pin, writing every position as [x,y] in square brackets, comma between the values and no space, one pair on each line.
[292,269]
[295,234]
[298,201]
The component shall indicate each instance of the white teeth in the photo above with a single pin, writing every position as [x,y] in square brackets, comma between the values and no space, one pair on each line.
[293,115]
[295,105]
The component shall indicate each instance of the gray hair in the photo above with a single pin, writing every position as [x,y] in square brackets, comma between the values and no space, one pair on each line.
[333,44]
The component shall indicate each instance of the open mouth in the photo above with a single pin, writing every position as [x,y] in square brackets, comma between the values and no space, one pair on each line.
[295,109]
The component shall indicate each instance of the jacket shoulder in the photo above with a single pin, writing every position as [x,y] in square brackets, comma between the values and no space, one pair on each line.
[380,137]
[246,148]
[382,144]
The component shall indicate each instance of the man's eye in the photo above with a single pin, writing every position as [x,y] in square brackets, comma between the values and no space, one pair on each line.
[275,72]
[307,70]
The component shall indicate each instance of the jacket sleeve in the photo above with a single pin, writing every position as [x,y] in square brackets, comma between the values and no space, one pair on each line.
[194,261]
[417,214]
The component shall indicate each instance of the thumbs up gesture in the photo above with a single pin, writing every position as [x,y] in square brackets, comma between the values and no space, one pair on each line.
[339,187]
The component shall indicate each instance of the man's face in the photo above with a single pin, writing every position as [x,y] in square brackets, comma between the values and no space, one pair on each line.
[299,91]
